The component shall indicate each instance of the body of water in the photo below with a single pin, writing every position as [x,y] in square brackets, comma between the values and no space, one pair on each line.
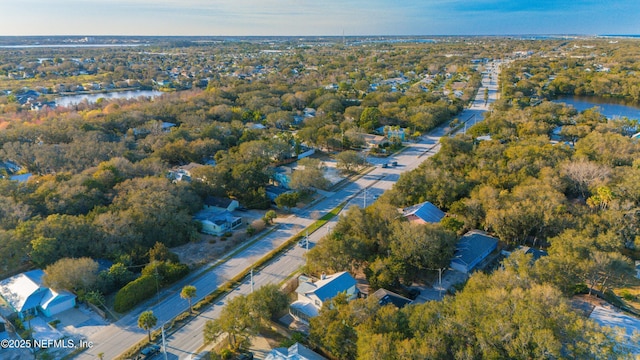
[36,46]
[92,98]
[607,107]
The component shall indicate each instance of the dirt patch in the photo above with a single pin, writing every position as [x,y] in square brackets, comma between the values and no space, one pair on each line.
[209,248]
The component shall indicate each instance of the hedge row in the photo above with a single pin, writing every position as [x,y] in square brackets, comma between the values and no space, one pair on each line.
[135,292]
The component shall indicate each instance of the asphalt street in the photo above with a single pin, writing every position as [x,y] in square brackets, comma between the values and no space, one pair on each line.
[116,338]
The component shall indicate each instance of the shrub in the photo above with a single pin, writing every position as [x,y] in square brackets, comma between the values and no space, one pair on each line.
[258,224]
[627,295]
[168,272]
[135,292]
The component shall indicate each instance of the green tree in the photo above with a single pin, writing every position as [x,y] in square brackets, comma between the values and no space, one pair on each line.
[269,216]
[237,319]
[350,160]
[309,177]
[71,274]
[287,200]
[369,119]
[421,247]
[147,320]
[188,292]
[271,298]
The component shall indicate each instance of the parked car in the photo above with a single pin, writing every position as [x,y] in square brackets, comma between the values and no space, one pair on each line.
[413,293]
[303,243]
[394,163]
[245,356]
[150,350]
[385,165]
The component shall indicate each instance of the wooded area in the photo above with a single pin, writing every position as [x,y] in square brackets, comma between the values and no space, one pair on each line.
[532,173]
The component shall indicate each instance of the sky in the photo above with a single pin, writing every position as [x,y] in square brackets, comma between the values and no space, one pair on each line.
[318,17]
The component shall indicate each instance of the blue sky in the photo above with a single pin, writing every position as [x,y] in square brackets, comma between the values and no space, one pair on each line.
[318,17]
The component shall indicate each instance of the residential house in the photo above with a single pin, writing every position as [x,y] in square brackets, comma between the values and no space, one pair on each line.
[535,253]
[313,295]
[166,126]
[183,173]
[274,191]
[25,294]
[373,141]
[472,249]
[309,112]
[217,223]
[385,297]
[282,176]
[392,131]
[423,213]
[219,203]
[23,178]
[296,351]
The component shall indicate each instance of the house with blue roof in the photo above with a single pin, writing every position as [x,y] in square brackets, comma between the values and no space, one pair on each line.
[313,295]
[472,249]
[423,213]
[25,294]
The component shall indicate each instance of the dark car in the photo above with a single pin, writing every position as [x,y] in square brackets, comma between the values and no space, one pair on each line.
[394,163]
[413,293]
[245,356]
[385,165]
[150,350]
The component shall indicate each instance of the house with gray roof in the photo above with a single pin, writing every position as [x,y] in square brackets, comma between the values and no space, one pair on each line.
[313,295]
[25,294]
[217,222]
[386,297]
[472,249]
[296,351]
[423,213]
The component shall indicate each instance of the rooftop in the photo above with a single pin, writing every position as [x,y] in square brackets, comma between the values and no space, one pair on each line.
[425,211]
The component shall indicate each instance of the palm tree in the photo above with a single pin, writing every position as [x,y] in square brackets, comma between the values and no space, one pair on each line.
[188,292]
[147,321]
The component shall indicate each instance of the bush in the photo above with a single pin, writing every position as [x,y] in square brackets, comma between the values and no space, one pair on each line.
[627,295]
[135,292]
[258,224]
[168,272]
[580,289]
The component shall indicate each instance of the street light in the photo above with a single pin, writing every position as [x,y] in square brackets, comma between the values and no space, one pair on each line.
[164,344]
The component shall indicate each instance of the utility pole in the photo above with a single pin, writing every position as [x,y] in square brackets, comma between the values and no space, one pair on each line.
[252,280]
[164,344]
[365,198]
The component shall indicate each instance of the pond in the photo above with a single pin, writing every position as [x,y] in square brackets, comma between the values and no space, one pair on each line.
[92,98]
[606,106]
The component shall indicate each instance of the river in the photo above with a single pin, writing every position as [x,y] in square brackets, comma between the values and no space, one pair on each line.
[607,107]
[92,98]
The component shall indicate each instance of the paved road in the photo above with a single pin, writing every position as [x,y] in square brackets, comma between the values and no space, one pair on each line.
[119,336]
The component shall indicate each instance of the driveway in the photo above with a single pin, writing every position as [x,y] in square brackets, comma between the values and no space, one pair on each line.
[80,322]
[436,292]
